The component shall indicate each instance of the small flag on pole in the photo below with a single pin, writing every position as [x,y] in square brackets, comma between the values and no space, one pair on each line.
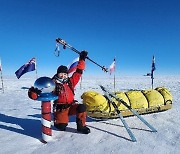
[152,70]
[30,66]
[153,64]
[73,66]
[111,70]
[112,67]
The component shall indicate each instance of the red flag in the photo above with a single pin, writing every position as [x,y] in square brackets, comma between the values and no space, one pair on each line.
[112,67]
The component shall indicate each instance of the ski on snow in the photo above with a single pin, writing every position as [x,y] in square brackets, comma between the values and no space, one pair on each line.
[121,117]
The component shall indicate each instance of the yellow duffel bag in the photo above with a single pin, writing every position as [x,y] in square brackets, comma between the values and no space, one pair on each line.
[137,99]
[144,101]
[166,95]
[95,102]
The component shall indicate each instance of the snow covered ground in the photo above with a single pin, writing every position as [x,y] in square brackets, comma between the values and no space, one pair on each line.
[20,122]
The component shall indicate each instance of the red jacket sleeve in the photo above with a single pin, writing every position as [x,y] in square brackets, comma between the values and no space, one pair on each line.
[78,73]
[81,65]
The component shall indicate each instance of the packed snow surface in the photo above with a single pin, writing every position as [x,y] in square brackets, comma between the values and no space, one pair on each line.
[20,121]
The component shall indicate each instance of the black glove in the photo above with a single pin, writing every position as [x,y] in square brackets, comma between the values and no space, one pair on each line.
[83,55]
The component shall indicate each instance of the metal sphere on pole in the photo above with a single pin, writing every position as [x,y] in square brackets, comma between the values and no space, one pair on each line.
[46,85]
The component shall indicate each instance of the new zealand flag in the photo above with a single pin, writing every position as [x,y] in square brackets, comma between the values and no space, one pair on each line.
[30,66]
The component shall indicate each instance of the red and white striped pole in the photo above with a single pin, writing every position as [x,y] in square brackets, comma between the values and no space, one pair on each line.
[46,121]
[46,86]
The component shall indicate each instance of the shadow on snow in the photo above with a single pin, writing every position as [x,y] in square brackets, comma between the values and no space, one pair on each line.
[30,127]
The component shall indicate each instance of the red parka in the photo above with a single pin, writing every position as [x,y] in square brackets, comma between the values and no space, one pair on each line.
[65,91]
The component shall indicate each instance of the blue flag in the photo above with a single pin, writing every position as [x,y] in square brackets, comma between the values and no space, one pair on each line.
[30,66]
[153,64]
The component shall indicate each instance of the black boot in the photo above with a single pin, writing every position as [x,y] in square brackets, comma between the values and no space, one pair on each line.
[82,129]
[61,126]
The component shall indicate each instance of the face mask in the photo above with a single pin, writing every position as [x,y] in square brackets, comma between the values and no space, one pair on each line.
[61,80]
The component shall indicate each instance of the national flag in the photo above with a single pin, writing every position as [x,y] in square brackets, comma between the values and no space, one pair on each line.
[30,66]
[112,67]
[73,66]
[153,64]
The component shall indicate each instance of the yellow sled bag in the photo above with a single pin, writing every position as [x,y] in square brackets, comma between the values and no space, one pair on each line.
[144,101]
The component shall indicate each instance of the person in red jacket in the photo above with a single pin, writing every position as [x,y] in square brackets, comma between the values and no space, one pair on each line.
[65,105]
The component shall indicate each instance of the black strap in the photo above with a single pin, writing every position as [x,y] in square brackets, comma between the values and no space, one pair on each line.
[62,106]
[70,85]
[68,82]
[79,71]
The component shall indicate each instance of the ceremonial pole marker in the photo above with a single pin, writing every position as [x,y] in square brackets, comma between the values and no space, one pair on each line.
[46,85]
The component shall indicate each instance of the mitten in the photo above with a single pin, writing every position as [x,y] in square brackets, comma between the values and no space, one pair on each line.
[83,55]
[33,93]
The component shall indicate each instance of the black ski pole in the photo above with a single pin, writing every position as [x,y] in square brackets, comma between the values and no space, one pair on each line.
[65,44]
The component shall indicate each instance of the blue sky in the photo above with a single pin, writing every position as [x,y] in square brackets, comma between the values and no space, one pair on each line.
[130,30]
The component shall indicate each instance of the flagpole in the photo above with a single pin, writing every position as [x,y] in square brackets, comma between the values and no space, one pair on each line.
[2,82]
[36,67]
[152,77]
[115,74]
[114,82]
[112,69]
[81,83]
[1,76]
